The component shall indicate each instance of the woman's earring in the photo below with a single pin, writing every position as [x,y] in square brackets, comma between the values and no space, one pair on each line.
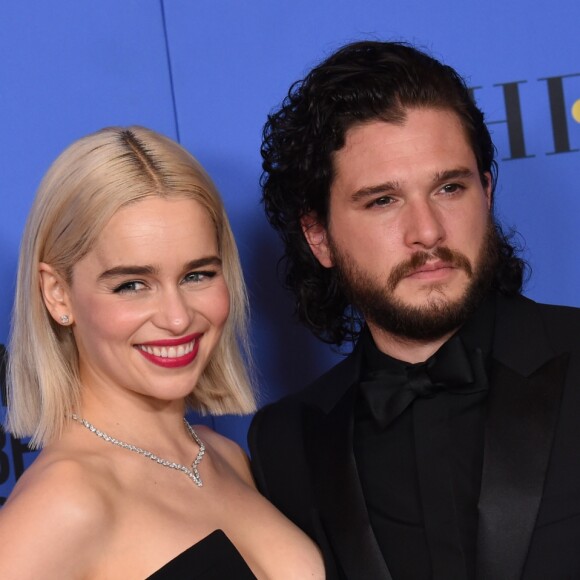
[65,320]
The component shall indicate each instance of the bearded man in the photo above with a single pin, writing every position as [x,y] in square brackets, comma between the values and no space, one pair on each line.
[447,445]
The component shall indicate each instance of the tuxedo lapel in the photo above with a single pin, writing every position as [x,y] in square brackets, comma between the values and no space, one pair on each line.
[522,417]
[337,489]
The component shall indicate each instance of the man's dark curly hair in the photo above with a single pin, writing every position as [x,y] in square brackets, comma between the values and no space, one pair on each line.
[362,81]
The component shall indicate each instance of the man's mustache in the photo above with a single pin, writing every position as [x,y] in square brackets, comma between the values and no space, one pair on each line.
[451,257]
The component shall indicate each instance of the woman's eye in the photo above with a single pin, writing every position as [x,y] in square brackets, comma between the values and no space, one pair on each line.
[197,277]
[128,287]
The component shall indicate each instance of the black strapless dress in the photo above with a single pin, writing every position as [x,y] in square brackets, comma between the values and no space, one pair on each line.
[213,558]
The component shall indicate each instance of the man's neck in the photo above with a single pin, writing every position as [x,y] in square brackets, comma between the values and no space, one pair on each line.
[404,349]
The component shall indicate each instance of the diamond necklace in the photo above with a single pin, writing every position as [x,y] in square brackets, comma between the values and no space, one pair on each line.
[192,473]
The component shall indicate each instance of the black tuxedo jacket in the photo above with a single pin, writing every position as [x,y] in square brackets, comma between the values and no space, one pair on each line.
[529,505]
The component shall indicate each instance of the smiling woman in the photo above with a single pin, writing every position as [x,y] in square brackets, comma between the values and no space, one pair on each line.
[130,310]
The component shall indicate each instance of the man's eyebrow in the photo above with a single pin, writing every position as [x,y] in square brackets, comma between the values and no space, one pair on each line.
[457,173]
[148,270]
[384,188]
[389,187]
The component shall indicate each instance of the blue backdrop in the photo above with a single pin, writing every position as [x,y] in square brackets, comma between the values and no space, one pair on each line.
[207,72]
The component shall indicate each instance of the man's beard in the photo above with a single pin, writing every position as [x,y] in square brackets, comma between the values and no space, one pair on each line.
[439,315]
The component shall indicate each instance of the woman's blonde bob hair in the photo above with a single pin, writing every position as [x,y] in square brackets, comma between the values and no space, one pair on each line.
[90,181]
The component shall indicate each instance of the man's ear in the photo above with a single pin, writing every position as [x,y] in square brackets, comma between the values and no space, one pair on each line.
[489,189]
[315,234]
[55,294]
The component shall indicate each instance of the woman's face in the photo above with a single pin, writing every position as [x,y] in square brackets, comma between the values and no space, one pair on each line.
[149,301]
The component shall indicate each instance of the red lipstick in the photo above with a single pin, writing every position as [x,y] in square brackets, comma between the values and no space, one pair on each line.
[171,352]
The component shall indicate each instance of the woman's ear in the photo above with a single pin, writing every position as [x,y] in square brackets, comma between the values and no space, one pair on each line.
[315,234]
[55,294]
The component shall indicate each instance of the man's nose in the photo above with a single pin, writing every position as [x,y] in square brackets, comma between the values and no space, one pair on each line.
[423,227]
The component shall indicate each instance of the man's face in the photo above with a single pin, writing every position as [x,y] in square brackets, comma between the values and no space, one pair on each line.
[409,229]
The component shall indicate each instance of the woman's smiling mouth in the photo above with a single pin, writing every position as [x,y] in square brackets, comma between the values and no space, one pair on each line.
[175,352]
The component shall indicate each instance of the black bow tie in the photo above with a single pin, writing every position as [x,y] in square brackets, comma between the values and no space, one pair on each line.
[389,392]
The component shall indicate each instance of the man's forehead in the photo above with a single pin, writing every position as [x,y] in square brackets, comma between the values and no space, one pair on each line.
[430,142]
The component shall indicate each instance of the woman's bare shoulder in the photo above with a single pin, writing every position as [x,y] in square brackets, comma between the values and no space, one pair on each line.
[52,524]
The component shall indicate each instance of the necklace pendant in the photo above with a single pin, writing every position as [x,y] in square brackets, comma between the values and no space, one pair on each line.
[195,478]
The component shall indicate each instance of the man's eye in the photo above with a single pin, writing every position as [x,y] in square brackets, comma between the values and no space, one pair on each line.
[381,201]
[128,287]
[452,188]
